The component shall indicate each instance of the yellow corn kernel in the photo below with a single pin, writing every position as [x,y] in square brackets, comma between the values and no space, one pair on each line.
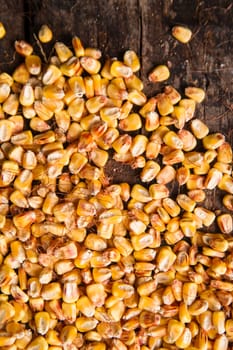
[123,245]
[33,64]
[131,59]
[174,331]
[6,130]
[218,319]
[116,93]
[224,168]
[182,175]
[213,141]
[225,223]
[137,97]
[63,52]
[150,171]
[165,258]
[166,175]
[164,105]
[2,30]
[71,67]
[198,307]
[229,328]
[221,342]
[45,34]
[195,182]
[122,144]
[141,241]
[133,82]
[152,149]
[173,157]
[182,34]
[159,73]
[213,178]
[188,227]
[171,207]
[51,74]
[228,201]
[158,191]
[179,114]
[224,153]
[184,314]
[23,48]
[111,216]
[131,123]
[4,91]
[38,342]
[90,64]
[78,46]
[85,324]
[152,121]
[226,184]
[119,69]
[185,202]
[196,94]
[42,322]
[51,291]
[172,139]
[26,97]
[94,104]
[185,339]
[206,216]
[189,106]
[173,94]
[11,104]
[148,107]
[21,74]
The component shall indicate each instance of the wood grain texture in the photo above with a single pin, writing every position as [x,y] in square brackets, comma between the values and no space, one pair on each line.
[12,14]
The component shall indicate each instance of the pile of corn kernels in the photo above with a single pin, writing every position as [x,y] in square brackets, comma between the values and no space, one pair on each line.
[91,265]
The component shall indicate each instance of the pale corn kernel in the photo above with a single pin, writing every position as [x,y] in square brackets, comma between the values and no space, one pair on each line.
[131,59]
[225,223]
[174,330]
[206,216]
[23,48]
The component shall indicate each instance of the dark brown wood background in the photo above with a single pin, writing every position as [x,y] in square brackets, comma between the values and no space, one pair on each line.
[144,26]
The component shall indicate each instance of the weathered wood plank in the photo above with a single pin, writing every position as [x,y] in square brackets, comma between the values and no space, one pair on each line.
[113,26]
[12,15]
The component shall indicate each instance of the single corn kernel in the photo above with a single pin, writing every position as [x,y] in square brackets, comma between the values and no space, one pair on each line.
[23,48]
[213,141]
[225,223]
[45,34]
[164,105]
[228,201]
[182,34]
[2,30]
[159,74]
[196,94]
[131,59]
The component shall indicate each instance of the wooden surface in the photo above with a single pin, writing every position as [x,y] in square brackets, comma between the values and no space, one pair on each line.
[144,26]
